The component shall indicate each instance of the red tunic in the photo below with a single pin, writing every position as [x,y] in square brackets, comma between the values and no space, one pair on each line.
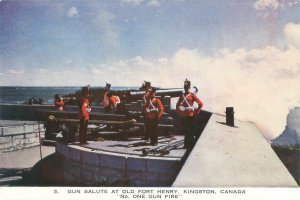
[153,109]
[114,101]
[185,108]
[59,105]
[85,109]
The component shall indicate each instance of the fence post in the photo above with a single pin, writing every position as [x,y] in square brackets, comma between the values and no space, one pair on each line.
[40,140]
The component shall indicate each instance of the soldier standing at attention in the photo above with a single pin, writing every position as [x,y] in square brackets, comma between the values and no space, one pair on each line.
[186,111]
[154,110]
[147,87]
[84,115]
[106,98]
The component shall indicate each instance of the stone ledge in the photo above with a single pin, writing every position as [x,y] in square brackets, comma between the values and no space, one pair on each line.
[226,156]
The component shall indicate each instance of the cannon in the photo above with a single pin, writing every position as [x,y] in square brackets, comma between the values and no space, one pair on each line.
[136,95]
[162,150]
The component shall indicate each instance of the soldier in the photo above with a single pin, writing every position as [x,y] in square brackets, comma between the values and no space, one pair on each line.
[147,87]
[106,98]
[186,111]
[115,101]
[59,103]
[154,110]
[84,115]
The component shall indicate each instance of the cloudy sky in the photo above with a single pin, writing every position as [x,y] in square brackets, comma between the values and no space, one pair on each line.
[242,53]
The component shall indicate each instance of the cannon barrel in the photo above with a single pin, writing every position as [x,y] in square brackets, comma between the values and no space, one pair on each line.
[135,95]
[77,121]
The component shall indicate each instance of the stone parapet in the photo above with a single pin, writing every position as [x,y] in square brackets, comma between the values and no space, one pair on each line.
[227,156]
[84,166]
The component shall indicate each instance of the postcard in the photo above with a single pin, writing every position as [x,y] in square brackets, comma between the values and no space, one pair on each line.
[149,99]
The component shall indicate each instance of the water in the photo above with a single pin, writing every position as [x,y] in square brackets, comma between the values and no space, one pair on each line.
[19,95]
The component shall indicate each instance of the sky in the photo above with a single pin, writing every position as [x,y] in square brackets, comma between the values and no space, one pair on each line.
[241,53]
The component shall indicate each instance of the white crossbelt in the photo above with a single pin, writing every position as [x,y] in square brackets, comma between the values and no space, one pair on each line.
[87,107]
[153,107]
[118,100]
[189,107]
[105,101]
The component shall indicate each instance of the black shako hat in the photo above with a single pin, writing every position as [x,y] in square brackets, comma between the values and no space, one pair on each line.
[107,86]
[147,84]
[56,96]
[85,90]
[187,84]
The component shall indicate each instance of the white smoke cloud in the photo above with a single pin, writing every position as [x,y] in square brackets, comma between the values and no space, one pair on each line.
[72,12]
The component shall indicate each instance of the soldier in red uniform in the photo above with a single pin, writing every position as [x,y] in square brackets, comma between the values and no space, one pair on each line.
[106,98]
[59,103]
[147,87]
[153,110]
[186,111]
[84,115]
[114,101]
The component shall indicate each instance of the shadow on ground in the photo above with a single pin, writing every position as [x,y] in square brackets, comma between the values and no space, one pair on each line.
[46,172]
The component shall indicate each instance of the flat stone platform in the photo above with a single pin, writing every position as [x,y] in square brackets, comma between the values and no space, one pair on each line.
[233,156]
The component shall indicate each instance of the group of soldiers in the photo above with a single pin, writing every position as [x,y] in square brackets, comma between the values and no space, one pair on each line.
[152,110]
